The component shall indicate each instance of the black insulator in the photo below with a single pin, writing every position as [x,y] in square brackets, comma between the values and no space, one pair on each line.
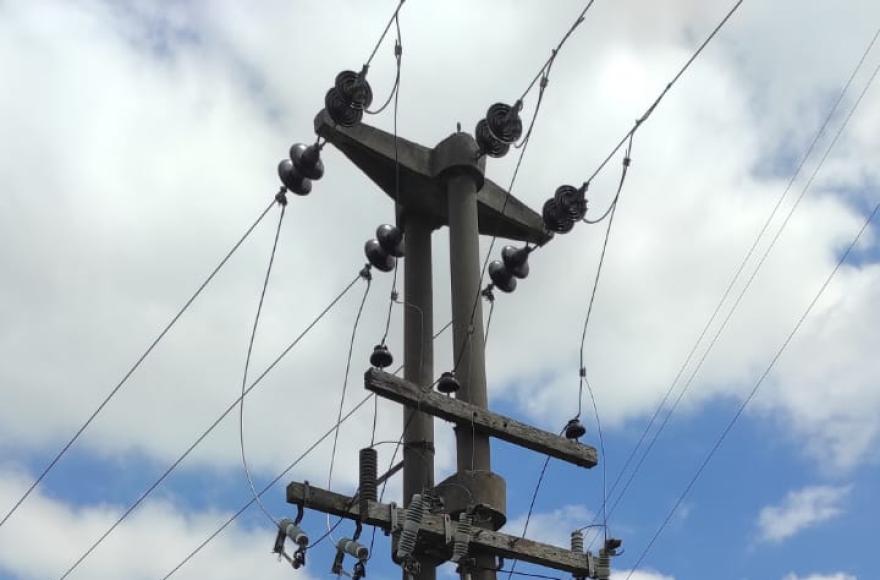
[368,470]
[378,257]
[574,429]
[448,383]
[488,143]
[516,260]
[391,239]
[292,179]
[502,278]
[571,201]
[381,357]
[504,122]
[307,160]
[554,219]
[340,110]
[355,89]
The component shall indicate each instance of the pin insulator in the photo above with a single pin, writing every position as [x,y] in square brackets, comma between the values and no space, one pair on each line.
[574,429]
[448,384]
[381,357]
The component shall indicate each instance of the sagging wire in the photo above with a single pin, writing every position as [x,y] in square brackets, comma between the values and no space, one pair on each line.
[365,273]
[282,201]
[210,428]
[755,388]
[134,367]
[268,486]
[754,273]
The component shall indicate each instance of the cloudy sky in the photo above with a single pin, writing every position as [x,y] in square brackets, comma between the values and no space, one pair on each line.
[140,140]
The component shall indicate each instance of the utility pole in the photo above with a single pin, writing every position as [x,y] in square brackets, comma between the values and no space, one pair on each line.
[433,187]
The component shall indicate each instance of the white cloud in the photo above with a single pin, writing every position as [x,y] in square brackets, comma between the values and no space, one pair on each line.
[800,510]
[145,546]
[143,149]
[554,527]
[835,576]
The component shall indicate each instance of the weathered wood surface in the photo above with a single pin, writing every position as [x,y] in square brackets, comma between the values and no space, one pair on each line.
[433,526]
[485,421]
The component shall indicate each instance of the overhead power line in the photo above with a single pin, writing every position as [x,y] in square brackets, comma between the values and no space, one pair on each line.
[754,273]
[210,428]
[754,390]
[134,367]
[247,363]
[267,487]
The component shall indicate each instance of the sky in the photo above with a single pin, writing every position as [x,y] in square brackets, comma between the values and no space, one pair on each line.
[141,140]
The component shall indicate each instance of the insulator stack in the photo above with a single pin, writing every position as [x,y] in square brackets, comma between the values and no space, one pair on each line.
[513,264]
[462,539]
[346,100]
[385,248]
[368,472]
[567,206]
[603,566]
[414,514]
[577,542]
[303,167]
[500,128]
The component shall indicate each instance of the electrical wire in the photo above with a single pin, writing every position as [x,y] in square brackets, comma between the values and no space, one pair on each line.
[555,52]
[210,428]
[748,283]
[755,389]
[398,52]
[134,367]
[247,363]
[535,492]
[807,154]
[268,486]
[384,32]
[650,110]
[357,321]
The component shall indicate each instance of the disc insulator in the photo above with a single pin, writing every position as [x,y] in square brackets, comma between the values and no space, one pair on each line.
[554,219]
[307,160]
[340,110]
[574,429]
[488,143]
[501,277]
[391,239]
[292,179]
[571,202]
[504,123]
[378,257]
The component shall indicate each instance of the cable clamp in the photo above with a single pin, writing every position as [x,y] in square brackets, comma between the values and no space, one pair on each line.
[583,371]
[365,272]
[626,161]
[488,294]
[281,196]
[394,295]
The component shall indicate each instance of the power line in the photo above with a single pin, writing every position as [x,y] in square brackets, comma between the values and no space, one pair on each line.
[268,486]
[555,52]
[761,261]
[650,110]
[213,425]
[134,367]
[755,388]
[385,32]
[247,363]
[357,321]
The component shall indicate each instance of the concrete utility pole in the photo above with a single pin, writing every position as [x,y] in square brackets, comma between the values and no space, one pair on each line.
[445,185]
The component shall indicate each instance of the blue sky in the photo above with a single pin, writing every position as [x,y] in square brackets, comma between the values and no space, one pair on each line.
[142,139]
